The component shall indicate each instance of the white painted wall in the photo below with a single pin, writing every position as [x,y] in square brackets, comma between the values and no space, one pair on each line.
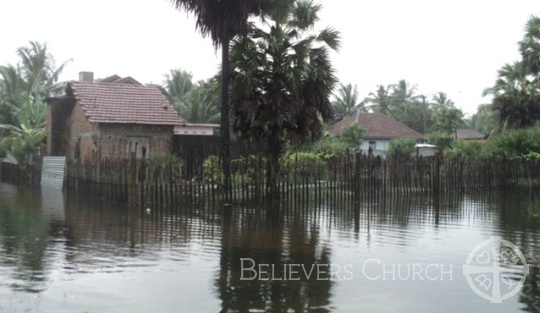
[381,146]
[195,129]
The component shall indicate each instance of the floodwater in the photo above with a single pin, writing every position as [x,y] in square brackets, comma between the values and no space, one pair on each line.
[73,253]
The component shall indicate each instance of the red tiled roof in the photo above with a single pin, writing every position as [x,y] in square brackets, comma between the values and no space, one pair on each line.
[469,134]
[126,103]
[376,125]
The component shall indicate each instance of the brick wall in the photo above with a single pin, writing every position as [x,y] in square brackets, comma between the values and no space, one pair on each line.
[148,140]
[82,133]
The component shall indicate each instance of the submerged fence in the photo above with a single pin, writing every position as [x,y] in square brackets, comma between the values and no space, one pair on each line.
[344,179]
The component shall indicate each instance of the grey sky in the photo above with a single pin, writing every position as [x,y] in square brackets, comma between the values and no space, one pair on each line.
[453,46]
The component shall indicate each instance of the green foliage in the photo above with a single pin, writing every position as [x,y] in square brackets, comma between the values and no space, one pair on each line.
[22,111]
[518,143]
[466,149]
[401,148]
[352,136]
[165,161]
[447,119]
[400,102]
[516,92]
[304,162]
[282,78]
[211,168]
[441,139]
[26,136]
[521,143]
[485,120]
[244,168]
[201,104]
[346,101]
[329,146]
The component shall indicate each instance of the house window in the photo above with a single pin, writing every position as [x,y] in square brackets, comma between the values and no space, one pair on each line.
[373,145]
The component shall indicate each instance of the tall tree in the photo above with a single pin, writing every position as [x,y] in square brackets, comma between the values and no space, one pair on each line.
[22,111]
[39,70]
[402,94]
[440,99]
[529,47]
[346,101]
[177,83]
[282,80]
[448,119]
[201,104]
[380,100]
[485,120]
[516,92]
[222,20]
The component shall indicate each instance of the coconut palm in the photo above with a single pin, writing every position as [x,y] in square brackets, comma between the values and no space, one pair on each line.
[282,79]
[222,20]
[22,111]
[177,83]
[201,104]
[39,70]
[346,101]
[380,100]
[402,94]
[440,99]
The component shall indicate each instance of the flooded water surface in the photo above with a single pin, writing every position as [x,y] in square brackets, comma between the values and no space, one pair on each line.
[72,253]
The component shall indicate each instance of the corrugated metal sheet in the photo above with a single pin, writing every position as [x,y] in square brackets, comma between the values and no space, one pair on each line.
[53,171]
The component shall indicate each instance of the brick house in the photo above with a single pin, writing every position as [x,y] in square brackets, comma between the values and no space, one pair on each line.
[380,130]
[109,118]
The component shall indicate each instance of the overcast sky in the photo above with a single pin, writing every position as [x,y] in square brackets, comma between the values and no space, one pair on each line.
[453,46]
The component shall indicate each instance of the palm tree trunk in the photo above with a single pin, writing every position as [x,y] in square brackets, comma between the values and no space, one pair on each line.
[225,133]
[275,146]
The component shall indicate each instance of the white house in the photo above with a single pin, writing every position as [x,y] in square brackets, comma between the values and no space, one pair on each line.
[380,130]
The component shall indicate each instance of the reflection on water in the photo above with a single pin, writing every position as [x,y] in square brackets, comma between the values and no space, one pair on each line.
[72,253]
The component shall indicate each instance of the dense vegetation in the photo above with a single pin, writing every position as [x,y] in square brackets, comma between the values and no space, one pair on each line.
[23,87]
[284,100]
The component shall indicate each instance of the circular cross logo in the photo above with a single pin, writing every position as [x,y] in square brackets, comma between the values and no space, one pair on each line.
[496,269]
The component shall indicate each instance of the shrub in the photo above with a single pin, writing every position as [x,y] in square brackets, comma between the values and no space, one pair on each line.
[441,139]
[211,168]
[471,150]
[518,143]
[400,148]
[352,136]
[304,162]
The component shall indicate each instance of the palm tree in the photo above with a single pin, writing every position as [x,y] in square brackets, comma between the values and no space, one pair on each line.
[530,46]
[177,83]
[346,101]
[201,104]
[440,99]
[22,111]
[282,79]
[222,20]
[13,90]
[516,99]
[39,70]
[380,100]
[402,94]
[485,119]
